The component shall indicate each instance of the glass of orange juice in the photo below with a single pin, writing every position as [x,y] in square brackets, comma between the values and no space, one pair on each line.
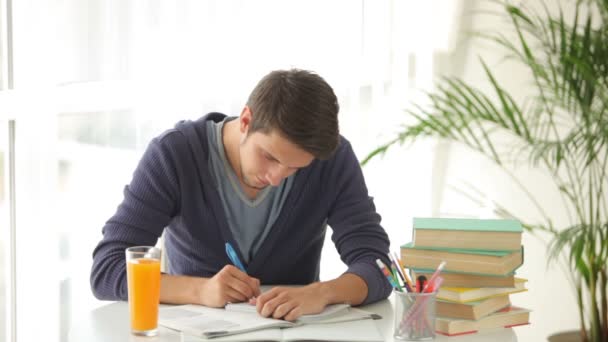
[143,280]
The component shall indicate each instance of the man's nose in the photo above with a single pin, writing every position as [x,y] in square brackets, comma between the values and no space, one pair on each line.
[275,175]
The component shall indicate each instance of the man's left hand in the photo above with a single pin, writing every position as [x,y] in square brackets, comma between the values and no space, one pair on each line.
[289,303]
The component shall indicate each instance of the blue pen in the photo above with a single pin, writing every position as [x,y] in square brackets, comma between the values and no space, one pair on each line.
[234,258]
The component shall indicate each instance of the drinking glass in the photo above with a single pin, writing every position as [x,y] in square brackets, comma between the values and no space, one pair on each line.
[143,280]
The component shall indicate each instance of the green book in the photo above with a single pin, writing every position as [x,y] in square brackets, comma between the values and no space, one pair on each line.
[470,234]
[459,250]
[479,262]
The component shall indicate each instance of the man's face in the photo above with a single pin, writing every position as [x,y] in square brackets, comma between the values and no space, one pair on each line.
[267,159]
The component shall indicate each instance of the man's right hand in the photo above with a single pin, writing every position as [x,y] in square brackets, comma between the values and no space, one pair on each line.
[229,285]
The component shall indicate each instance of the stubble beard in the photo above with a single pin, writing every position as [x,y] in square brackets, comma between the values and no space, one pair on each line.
[246,181]
[244,178]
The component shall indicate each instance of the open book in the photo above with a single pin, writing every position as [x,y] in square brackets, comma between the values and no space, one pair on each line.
[353,331]
[337,311]
[212,323]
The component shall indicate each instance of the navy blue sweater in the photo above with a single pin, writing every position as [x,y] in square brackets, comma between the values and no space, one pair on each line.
[173,189]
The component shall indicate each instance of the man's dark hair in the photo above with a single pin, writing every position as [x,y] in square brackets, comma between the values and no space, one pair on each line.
[301,106]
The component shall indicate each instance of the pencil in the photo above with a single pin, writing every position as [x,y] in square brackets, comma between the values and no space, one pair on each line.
[407,278]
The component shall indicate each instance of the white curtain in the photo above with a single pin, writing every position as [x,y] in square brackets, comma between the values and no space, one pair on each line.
[95,80]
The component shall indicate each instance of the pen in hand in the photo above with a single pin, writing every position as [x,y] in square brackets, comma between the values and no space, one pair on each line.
[234,258]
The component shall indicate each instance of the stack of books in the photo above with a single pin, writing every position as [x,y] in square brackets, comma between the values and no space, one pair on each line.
[479,277]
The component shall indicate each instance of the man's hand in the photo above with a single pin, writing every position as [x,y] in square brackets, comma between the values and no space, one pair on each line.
[230,285]
[290,303]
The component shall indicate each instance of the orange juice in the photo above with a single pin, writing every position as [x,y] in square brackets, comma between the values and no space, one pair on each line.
[143,279]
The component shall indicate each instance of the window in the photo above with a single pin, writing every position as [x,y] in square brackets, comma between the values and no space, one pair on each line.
[95,80]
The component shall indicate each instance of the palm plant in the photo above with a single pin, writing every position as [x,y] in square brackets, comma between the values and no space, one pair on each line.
[562,128]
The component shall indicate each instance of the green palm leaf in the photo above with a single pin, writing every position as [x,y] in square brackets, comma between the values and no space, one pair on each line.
[562,128]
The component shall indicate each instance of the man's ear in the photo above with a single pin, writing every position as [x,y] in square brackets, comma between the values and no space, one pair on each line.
[245,120]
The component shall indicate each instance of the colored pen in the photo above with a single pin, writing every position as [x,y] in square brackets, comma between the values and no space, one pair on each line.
[407,287]
[395,268]
[234,258]
[436,273]
[407,278]
[434,286]
[388,275]
[395,273]
[399,265]
[420,283]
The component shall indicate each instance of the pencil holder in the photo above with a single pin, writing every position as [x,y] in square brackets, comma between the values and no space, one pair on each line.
[414,316]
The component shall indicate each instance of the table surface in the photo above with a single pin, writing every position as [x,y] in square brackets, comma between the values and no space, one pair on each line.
[111,323]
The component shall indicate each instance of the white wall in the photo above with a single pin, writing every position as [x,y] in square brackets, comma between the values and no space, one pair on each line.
[550,296]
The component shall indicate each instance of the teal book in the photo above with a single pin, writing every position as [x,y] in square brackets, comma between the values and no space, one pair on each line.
[471,234]
[478,262]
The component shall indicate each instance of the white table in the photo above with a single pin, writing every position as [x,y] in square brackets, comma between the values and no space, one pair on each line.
[111,323]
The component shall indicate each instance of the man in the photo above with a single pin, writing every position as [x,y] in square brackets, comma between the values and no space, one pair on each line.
[268,183]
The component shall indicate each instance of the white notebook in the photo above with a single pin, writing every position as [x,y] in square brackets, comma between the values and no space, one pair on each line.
[211,323]
[353,331]
[330,311]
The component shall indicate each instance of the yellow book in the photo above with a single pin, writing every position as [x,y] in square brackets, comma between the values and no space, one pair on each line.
[473,294]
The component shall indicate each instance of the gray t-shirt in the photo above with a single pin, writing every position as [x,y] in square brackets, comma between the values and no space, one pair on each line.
[249,220]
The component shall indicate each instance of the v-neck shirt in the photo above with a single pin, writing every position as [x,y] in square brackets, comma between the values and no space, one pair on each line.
[249,220]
